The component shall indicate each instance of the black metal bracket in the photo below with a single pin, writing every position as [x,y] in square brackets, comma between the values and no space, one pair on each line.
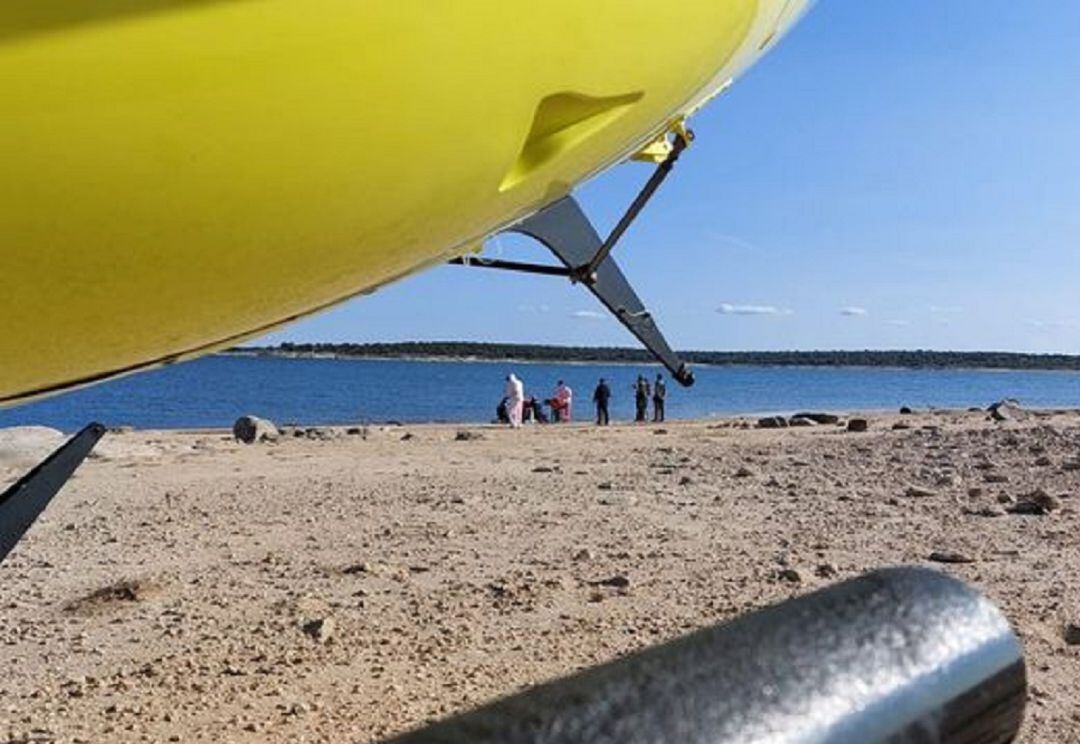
[22,503]
[587,272]
[567,232]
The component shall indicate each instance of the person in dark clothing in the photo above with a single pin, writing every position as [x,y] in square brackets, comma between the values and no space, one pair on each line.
[659,393]
[600,397]
[538,414]
[501,413]
[641,397]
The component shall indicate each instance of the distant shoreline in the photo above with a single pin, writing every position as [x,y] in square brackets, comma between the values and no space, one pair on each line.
[537,354]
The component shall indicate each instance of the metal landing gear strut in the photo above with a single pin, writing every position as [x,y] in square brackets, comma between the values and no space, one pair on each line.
[22,503]
[567,232]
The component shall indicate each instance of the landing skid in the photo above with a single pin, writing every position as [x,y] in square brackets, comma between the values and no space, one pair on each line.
[21,504]
[567,232]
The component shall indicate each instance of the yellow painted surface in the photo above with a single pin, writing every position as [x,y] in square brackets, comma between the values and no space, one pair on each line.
[176,175]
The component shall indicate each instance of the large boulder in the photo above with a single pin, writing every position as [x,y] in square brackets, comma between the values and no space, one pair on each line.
[858,425]
[252,429]
[1007,410]
[23,447]
[819,418]
[772,422]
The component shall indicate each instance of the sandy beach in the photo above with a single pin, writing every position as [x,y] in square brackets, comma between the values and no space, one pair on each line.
[344,587]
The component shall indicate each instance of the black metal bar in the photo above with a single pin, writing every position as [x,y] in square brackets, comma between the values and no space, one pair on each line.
[899,656]
[497,263]
[585,273]
[22,503]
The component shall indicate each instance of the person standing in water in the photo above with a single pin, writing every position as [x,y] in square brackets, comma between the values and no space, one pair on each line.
[641,398]
[659,393]
[600,397]
[515,399]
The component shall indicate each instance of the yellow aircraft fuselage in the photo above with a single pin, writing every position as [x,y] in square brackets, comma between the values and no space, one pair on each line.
[177,176]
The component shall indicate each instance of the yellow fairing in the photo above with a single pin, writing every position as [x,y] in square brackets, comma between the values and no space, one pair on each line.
[177,175]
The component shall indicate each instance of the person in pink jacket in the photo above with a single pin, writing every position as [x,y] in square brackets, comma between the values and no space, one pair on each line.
[562,403]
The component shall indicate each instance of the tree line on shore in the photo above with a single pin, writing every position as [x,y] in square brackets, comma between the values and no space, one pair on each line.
[623,355]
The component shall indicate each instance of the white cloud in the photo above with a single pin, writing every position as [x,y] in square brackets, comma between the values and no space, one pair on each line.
[724,240]
[853,311]
[588,315]
[1047,324]
[729,309]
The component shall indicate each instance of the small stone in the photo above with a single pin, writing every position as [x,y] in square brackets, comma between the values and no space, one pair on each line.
[948,556]
[1043,462]
[321,629]
[826,571]
[744,472]
[790,575]
[543,469]
[1072,634]
[583,555]
[905,411]
[917,492]
[900,426]
[995,478]
[1036,503]
[685,480]
[605,485]
[858,425]
[616,582]
[467,436]
[407,436]
[986,511]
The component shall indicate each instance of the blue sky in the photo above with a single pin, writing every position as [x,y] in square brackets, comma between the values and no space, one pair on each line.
[893,175]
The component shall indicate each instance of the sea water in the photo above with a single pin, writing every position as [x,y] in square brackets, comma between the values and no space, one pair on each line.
[212,392]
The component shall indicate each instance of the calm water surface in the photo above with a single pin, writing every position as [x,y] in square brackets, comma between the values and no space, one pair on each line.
[212,392]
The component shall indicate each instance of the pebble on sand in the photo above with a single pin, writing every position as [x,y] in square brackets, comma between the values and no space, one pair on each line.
[1037,503]
[950,556]
[918,492]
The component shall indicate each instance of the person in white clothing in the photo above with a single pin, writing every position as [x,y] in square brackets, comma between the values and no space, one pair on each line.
[515,399]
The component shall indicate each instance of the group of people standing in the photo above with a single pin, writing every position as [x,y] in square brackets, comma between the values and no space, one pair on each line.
[642,393]
[515,408]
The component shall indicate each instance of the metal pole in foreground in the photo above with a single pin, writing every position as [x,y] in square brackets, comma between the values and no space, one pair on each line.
[898,656]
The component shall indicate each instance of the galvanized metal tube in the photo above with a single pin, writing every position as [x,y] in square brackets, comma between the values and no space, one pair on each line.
[903,656]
